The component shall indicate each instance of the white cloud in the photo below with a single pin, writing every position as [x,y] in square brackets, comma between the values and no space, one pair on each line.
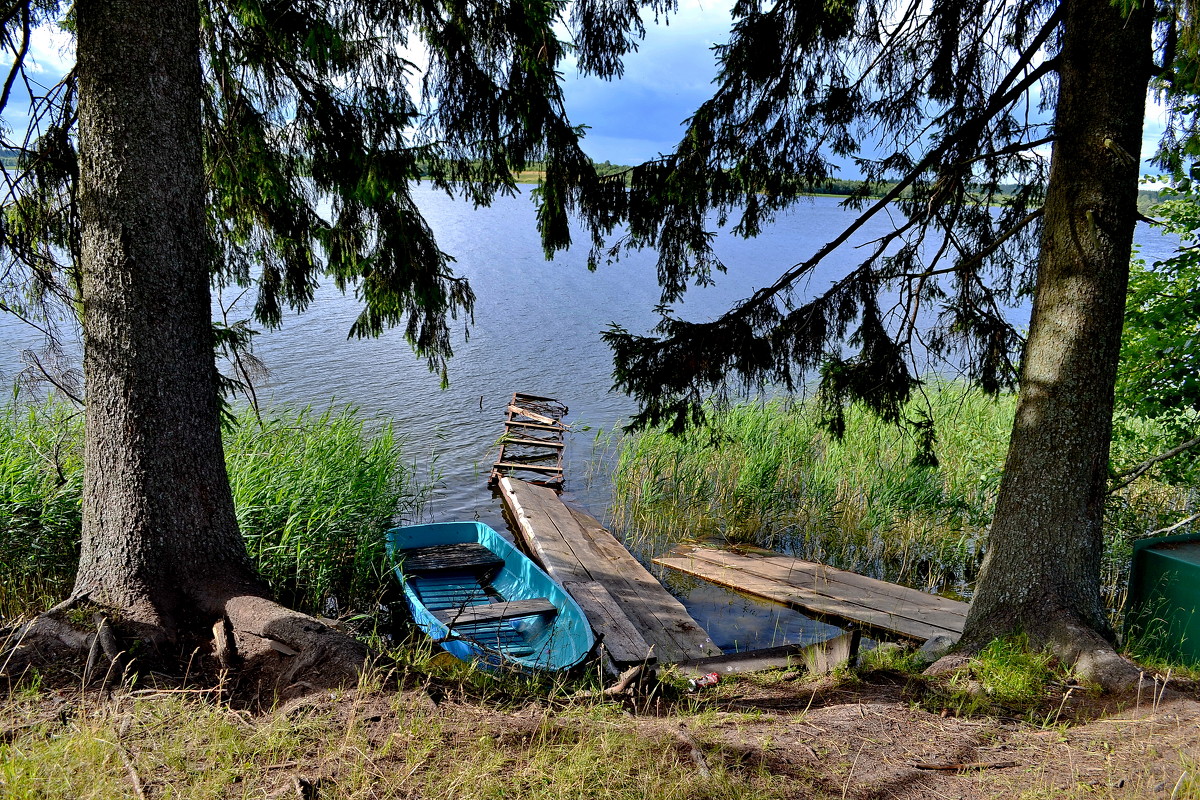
[639,116]
[1152,131]
[51,53]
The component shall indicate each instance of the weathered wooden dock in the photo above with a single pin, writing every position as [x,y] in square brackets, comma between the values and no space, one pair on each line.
[532,445]
[835,595]
[637,618]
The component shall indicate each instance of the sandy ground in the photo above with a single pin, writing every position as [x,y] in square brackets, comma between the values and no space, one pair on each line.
[842,738]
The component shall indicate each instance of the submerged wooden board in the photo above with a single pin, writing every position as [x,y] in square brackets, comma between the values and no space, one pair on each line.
[541,455]
[575,549]
[834,594]
[535,443]
[817,659]
[517,411]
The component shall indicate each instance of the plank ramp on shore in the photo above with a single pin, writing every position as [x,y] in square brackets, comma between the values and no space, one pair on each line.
[637,618]
[831,594]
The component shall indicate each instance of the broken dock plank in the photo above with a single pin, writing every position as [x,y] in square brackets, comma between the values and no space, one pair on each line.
[622,640]
[834,594]
[574,548]
[522,452]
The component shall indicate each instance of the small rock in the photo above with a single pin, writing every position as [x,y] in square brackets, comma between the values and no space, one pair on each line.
[889,647]
[935,648]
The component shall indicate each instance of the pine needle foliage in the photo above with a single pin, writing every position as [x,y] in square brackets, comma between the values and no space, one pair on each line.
[318,120]
[934,102]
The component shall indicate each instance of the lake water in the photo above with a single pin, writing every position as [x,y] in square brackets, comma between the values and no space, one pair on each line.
[536,329]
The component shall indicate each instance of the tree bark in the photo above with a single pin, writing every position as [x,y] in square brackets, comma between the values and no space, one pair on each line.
[160,539]
[158,519]
[1042,566]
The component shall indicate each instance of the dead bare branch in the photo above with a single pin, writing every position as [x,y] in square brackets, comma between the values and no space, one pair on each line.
[1132,474]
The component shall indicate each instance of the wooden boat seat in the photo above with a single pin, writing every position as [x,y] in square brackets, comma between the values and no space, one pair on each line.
[516,651]
[465,557]
[494,612]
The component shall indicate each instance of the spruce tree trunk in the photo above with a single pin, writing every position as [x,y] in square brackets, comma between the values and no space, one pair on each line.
[160,539]
[159,532]
[1042,566]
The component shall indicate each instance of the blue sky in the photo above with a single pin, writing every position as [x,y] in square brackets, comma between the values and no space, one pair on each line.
[641,116]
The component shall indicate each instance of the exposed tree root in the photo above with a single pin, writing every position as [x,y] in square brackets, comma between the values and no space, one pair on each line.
[265,645]
[275,643]
[1092,657]
[1095,659]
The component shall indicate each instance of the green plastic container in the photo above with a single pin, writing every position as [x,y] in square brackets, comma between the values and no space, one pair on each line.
[1164,598]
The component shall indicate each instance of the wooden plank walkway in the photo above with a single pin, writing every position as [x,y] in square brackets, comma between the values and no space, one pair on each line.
[633,612]
[817,658]
[826,592]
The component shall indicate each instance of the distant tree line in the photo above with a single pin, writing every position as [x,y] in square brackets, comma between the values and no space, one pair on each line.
[1147,198]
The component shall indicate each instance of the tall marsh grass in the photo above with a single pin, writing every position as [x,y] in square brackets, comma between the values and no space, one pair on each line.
[41,477]
[313,494]
[768,474]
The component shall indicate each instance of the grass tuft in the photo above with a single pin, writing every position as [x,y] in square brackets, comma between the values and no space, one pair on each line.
[1006,678]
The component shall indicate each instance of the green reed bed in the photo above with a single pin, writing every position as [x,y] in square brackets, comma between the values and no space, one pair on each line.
[313,494]
[41,477]
[769,474]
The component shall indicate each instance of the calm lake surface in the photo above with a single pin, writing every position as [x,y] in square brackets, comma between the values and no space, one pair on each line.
[536,329]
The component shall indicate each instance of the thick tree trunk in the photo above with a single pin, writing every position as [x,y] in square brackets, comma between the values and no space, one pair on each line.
[160,539]
[1041,573]
[158,516]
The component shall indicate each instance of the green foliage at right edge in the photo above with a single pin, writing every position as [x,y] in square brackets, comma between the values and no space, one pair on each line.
[1160,346]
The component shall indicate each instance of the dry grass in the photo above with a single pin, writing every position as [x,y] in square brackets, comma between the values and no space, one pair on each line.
[359,744]
[875,733]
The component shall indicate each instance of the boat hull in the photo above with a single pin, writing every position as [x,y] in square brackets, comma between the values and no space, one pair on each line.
[462,583]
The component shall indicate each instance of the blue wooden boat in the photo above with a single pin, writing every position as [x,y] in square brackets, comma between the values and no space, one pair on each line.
[485,601]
